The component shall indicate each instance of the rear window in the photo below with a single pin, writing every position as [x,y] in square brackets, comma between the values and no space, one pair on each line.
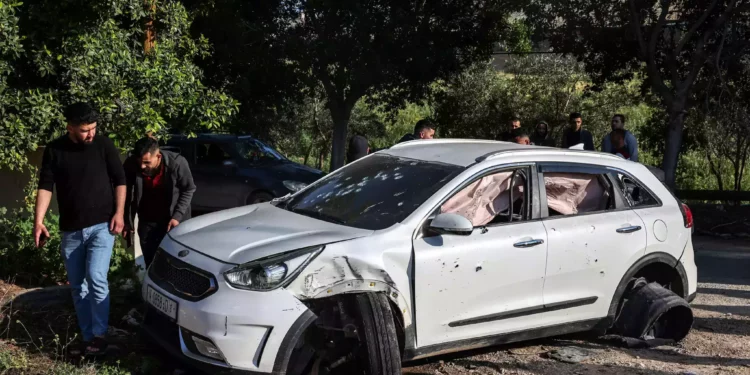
[374,193]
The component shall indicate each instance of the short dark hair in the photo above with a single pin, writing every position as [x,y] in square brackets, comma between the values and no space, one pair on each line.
[575,115]
[145,145]
[423,124]
[619,133]
[514,119]
[80,113]
[621,116]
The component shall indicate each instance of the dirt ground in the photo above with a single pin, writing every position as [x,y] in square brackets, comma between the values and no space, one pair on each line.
[719,342]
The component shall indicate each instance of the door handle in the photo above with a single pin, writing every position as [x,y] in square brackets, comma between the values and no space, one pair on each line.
[630,229]
[529,243]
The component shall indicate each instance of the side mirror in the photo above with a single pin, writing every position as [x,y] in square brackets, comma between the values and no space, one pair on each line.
[451,224]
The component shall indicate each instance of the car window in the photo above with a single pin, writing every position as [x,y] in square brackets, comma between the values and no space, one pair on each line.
[577,193]
[210,154]
[373,193]
[634,193]
[256,151]
[496,198]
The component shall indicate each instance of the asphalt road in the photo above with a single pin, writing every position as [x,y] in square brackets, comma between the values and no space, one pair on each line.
[722,261]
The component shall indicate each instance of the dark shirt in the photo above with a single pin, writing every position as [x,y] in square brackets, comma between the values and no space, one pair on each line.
[407,137]
[542,140]
[572,138]
[622,151]
[154,205]
[510,135]
[85,176]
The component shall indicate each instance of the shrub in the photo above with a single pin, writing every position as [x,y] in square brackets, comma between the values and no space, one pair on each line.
[22,262]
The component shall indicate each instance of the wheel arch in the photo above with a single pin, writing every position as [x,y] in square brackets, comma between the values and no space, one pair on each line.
[658,267]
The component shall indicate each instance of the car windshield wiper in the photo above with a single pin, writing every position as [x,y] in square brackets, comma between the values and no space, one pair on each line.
[318,215]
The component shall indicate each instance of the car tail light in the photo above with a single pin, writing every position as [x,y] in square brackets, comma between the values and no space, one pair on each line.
[687,215]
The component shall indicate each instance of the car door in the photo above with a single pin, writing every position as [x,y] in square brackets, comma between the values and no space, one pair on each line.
[664,224]
[214,176]
[593,236]
[488,282]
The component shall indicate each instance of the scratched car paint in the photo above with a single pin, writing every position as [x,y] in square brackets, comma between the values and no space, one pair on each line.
[455,244]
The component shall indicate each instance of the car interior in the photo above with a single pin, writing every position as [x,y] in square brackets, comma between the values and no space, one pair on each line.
[577,193]
[493,199]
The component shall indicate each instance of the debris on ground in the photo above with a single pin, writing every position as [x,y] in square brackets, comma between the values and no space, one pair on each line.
[570,354]
[132,318]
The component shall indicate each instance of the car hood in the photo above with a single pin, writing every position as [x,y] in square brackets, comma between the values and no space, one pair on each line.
[247,233]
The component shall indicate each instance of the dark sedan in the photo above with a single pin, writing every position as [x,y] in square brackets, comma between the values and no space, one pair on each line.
[232,171]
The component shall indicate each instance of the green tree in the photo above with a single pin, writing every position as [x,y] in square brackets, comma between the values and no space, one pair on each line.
[386,51]
[671,40]
[69,50]
[479,102]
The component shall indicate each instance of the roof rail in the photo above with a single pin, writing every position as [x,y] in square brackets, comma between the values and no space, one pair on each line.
[439,141]
[550,150]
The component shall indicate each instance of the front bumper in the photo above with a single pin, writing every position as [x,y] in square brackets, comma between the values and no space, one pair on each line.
[255,332]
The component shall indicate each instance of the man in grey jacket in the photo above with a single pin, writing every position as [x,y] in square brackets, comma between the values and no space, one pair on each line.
[159,189]
[631,144]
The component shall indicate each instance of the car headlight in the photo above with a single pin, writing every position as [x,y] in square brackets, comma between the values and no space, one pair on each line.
[294,186]
[271,272]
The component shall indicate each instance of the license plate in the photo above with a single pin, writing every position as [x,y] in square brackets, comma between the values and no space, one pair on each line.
[162,303]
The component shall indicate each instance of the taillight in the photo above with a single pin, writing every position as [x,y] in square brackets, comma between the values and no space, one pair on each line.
[687,215]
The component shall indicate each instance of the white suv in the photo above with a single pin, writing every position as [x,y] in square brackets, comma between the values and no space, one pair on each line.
[425,248]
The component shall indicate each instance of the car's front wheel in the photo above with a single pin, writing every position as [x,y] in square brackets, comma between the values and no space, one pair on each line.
[352,335]
[380,339]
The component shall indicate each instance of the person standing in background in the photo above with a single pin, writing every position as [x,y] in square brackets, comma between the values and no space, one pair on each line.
[358,148]
[575,134]
[160,189]
[522,139]
[541,135]
[618,145]
[85,169]
[424,129]
[618,123]
[514,127]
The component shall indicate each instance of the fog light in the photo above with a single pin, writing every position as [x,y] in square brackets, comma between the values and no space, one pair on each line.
[207,348]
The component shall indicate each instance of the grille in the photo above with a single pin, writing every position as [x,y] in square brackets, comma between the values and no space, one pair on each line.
[180,278]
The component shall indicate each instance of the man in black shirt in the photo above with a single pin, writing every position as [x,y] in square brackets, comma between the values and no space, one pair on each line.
[514,130]
[424,129]
[575,134]
[159,189]
[86,169]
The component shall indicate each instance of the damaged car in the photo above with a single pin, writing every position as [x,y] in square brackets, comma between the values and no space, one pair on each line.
[425,248]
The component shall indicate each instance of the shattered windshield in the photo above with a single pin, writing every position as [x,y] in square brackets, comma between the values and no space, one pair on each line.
[374,193]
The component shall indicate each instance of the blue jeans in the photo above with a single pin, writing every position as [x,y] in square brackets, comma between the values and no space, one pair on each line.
[87,253]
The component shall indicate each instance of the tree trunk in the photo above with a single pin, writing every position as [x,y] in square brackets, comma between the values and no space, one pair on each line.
[309,150]
[150,32]
[340,115]
[673,142]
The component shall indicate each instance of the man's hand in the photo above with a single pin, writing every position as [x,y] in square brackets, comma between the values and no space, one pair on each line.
[117,223]
[172,223]
[41,234]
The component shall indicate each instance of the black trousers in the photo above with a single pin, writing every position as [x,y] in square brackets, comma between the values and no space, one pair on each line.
[150,234]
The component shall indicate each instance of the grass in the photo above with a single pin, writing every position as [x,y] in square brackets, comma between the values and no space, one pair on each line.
[34,341]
